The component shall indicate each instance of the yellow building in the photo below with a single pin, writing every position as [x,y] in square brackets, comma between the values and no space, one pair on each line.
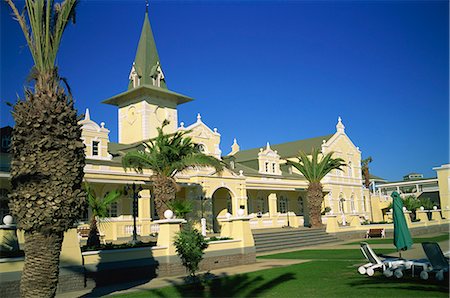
[258,180]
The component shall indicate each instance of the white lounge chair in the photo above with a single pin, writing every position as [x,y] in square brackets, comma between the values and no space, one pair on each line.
[388,265]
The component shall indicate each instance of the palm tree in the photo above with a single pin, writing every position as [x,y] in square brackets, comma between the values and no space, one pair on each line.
[47,152]
[166,155]
[365,171]
[314,169]
[99,208]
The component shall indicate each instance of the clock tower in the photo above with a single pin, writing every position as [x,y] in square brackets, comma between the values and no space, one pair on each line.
[148,101]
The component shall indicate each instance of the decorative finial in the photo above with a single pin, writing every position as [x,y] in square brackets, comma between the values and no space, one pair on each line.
[199,118]
[86,115]
[268,146]
[234,141]
[215,129]
[340,126]
[102,124]
[182,124]
[146,6]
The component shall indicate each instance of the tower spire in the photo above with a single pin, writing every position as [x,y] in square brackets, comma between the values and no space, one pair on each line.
[146,63]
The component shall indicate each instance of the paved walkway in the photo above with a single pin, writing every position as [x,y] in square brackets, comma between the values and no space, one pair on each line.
[261,264]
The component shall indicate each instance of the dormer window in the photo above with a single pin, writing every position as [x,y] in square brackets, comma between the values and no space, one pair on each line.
[269,161]
[95,148]
[232,164]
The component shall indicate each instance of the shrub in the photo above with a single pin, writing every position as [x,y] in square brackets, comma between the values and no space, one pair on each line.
[190,245]
[180,207]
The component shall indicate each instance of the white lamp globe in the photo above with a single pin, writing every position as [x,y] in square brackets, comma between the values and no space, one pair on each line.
[168,214]
[240,212]
[422,208]
[390,210]
[8,220]
[434,207]
[404,208]
[228,215]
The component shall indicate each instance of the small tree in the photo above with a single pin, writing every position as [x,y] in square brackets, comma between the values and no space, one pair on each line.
[190,246]
[99,207]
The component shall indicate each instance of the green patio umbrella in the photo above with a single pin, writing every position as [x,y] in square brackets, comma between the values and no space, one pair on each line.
[402,237]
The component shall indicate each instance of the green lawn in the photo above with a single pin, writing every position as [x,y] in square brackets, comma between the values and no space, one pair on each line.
[331,273]
[443,237]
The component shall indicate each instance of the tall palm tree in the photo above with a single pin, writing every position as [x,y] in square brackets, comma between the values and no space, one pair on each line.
[99,208]
[314,169]
[365,170]
[47,151]
[166,155]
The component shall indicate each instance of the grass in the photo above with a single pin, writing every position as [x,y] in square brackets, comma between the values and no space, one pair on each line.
[443,237]
[329,273]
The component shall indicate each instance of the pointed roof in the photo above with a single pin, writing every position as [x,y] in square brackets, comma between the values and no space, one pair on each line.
[147,61]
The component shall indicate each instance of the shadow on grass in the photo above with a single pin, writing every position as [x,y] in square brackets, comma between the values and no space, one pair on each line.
[226,286]
[406,283]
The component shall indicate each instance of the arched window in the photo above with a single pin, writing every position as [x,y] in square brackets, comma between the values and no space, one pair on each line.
[273,167]
[267,166]
[341,203]
[350,169]
[352,204]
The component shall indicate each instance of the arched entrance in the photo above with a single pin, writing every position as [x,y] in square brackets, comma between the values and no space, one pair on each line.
[221,204]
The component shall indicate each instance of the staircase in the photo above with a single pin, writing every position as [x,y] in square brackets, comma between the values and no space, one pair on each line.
[278,239]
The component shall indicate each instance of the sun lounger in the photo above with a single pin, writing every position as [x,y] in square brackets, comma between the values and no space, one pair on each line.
[439,263]
[387,264]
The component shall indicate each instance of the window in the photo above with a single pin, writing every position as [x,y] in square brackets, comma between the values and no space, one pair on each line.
[300,206]
[350,169]
[273,168]
[267,167]
[282,205]
[232,164]
[112,210]
[352,204]
[95,148]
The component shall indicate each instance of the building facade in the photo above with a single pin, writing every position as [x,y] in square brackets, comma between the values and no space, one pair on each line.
[257,180]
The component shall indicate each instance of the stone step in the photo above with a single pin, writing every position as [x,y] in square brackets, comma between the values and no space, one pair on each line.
[278,239]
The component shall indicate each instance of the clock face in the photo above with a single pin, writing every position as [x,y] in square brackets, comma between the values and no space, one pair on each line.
[161,114]
[131,115]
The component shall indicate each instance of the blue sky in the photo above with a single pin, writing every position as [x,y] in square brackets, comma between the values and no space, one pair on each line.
[272,71]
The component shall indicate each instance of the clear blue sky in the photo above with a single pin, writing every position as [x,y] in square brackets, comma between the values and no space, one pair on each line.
[270,71]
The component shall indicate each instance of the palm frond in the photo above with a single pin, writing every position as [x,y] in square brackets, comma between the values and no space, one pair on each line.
[314,169]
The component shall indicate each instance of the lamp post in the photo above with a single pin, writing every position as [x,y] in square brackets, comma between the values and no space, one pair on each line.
[135,197]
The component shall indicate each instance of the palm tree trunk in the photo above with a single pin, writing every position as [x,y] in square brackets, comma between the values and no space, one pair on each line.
[41,269]
[315,198]
[165,190]
[93,237]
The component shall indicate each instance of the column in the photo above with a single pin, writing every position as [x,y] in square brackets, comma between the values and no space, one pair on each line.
[272,204]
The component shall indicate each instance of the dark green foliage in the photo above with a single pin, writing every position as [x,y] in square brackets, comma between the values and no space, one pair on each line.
[99,208]
[190,245]
[214,238]
[112,246]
